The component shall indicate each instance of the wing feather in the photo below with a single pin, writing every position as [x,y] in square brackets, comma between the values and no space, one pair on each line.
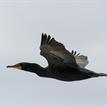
[81,60]
[55,52]
[57,55]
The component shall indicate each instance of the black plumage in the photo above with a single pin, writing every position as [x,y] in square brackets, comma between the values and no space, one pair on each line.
[62,64]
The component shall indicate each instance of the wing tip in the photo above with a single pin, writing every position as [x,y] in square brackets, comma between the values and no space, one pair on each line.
[45,39]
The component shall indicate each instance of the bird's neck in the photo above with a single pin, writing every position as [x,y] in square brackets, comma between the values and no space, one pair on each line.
[35,68]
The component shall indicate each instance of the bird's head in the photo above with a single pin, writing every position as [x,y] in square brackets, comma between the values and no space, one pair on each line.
[17,66]
[31,67]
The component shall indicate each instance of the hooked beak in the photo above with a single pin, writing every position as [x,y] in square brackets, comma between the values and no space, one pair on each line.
[11,66]
[17,66]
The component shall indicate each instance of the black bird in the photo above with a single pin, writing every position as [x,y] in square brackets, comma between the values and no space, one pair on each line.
[62,64]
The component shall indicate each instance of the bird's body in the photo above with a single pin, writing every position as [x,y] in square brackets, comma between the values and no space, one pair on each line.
[64,73]
[62,64]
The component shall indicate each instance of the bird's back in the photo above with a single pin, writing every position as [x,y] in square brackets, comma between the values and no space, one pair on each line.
[68,74]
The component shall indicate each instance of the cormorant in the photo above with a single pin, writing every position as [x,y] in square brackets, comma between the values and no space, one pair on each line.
[62,64]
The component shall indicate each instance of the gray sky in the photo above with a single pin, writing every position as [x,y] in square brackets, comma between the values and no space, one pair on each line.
[79,25]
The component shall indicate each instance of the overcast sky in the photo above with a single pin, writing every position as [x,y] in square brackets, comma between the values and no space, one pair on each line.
[79,25]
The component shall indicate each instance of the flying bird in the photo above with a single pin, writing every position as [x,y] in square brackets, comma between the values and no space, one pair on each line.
[62,64]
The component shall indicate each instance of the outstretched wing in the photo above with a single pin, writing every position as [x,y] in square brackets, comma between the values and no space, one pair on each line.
[55,52]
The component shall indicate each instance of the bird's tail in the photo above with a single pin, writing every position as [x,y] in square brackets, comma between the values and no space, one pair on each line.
[102,74]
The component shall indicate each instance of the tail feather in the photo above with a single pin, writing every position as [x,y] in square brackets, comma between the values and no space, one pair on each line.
[102,74]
